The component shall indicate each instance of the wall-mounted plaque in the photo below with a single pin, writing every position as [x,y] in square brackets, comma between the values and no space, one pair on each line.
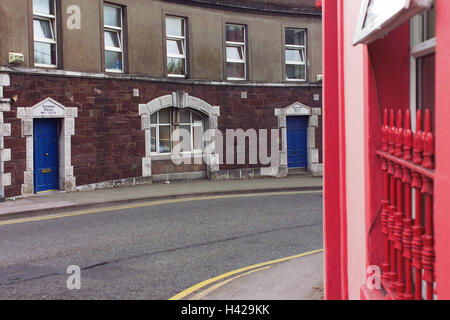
[298,109]
[48,108]
[379,17]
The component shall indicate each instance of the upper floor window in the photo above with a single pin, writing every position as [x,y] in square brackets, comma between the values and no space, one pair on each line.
[113,32]
[176,47]
[236,52]
[295,54]
[44,30]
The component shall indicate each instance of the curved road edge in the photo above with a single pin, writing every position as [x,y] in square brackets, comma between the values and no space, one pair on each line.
[235,274]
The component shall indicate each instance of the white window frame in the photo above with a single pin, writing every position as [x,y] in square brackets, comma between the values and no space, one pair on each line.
[296,47]
[399,13]
[157,125]
[184,44]
[194,125]
[243,46]
[119,31]
[419,48]
[53,26]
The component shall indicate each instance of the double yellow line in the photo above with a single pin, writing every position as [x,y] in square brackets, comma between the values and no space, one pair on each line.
[237,273]
[147,204]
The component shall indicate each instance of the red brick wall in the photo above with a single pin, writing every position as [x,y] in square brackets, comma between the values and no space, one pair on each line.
[108,143]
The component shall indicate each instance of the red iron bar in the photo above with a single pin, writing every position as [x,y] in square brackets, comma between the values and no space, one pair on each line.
[407,206]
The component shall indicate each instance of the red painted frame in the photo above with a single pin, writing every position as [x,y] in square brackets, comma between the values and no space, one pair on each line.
[386,86]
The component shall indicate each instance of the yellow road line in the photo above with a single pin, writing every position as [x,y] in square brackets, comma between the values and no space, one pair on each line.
[149,204]
[205,283]
[200,295]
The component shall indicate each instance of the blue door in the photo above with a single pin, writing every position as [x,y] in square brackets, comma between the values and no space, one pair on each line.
[297,142]
[46,155]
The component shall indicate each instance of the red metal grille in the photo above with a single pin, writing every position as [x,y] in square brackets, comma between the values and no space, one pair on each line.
[407,207]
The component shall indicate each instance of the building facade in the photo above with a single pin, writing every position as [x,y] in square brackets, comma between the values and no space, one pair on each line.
[95,93]
[386,162]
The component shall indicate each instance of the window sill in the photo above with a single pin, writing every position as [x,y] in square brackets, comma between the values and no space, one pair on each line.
[45,66]
[177,76]
[157,157]
[236,80]
[295,80]
[114,71]
[188,155]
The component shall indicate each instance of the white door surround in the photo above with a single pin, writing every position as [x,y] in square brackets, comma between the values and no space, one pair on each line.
[49,108]
[299,109]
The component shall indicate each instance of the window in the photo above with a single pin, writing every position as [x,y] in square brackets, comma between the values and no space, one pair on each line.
[44,30]
[176,47]
[192,122]
[236,55]
[161,132]
[113,33]
[423,46]
[162,128]
[295,54]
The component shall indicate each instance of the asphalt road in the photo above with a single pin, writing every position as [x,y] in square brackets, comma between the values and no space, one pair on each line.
[154,252]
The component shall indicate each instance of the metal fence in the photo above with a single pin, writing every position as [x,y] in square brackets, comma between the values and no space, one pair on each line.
[407,207]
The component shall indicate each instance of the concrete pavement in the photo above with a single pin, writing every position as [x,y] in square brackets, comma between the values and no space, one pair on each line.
[57,202]
[298,277]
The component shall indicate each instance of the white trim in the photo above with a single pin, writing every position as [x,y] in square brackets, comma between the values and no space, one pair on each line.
[299,109]
[119,31]
[54,30]
[51,66]
[183,40]
[68,115]
[44,15]
[113,28]
[179,100]
[419,48]
[383,25]
[176,75]
[424,48]
[295,80]
[243,46]
[296,47]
